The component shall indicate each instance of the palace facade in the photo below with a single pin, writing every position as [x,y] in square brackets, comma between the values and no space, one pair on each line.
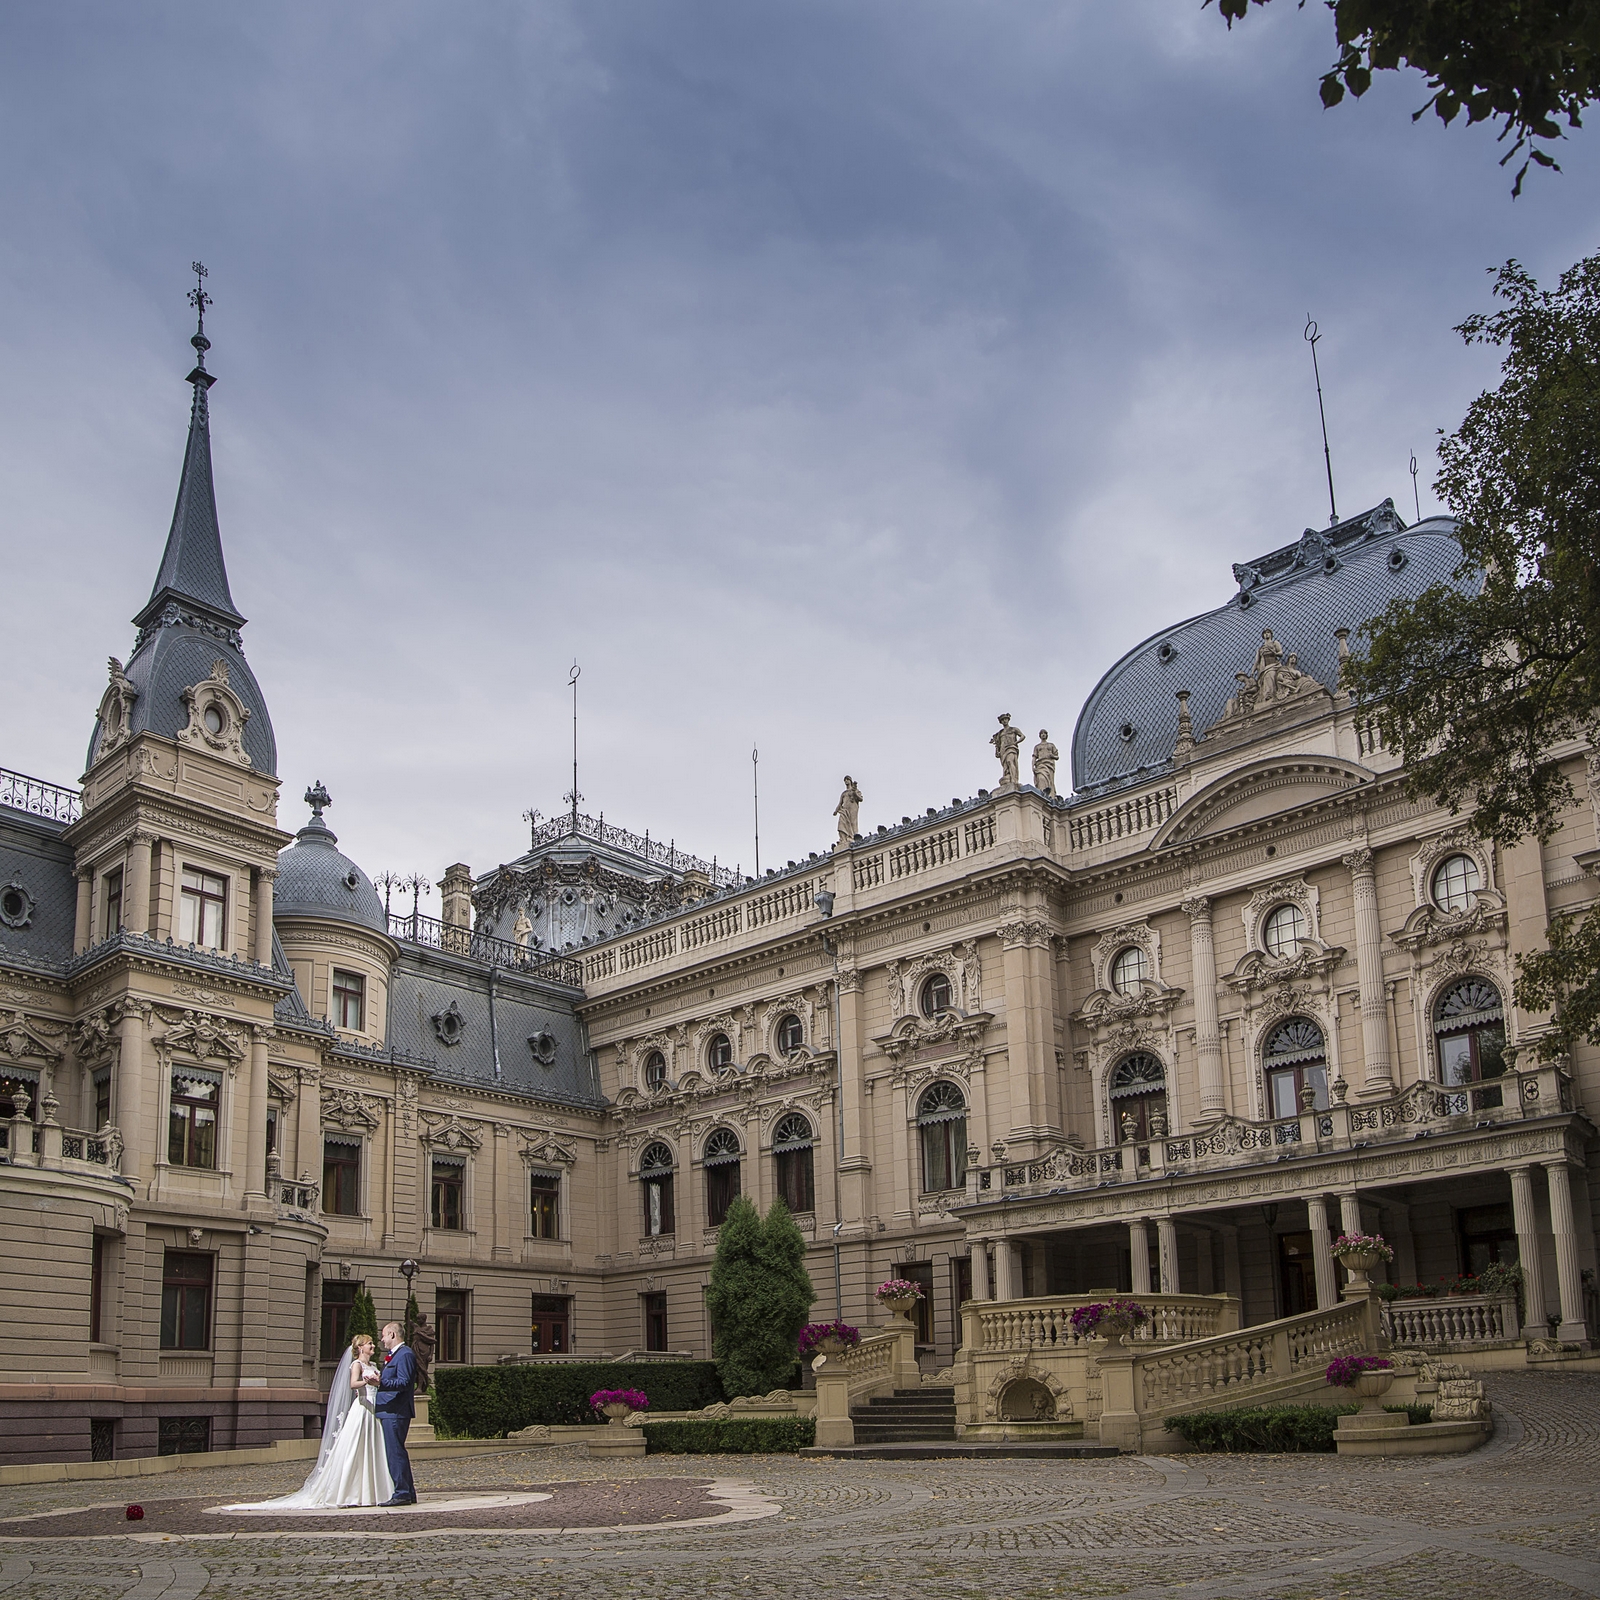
[1169,1032]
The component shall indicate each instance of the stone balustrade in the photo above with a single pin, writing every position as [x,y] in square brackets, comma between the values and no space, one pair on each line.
[1451,1320]
[1423,1109]
[1045,1323]
[49,1146]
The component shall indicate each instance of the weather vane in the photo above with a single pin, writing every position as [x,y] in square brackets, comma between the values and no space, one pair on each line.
[1416,499]
[199,299]
[574,797]
[1311,337]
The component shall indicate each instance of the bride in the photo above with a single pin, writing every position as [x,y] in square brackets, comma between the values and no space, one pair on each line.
[352,1468]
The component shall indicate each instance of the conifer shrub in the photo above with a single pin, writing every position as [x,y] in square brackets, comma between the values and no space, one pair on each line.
[758,1297]
[1281,1429]
[363,1316]
[490,1402]
[730,1436]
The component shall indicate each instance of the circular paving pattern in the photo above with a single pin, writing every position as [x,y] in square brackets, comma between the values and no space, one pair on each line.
[1520,1516]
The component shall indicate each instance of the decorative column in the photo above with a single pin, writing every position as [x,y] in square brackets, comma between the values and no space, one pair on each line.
[1167,1249]
[1379,1080]
[136,1100]
[82,935]
[1006,1286]
[136,896]
[981,1287]
[1322,1253]
[1207,1036]
[1349,1212]
[255,1138]
[1529,1254]
[264,881]
[1139,1250]
[1563,1224]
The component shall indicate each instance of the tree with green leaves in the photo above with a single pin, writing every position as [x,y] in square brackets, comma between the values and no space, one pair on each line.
[1527,63]
[758,1298]
[363,1315]
[1481,683]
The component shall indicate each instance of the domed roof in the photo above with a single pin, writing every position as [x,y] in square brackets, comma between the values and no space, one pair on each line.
[315,880]
[1339,577]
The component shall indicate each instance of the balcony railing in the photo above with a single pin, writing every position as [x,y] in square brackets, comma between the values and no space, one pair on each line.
[432,934]
[1420,1111]
[27,1143]
[576,825]
[1451,1320]
[38,798]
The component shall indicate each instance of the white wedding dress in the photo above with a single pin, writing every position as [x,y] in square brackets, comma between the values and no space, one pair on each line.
[352,1467]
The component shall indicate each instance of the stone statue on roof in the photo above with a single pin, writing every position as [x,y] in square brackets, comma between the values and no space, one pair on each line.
[1007,742]
[1045,756]
[848,811]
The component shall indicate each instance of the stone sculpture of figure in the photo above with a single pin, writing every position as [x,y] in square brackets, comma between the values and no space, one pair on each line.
[522,928]
[848,811]
[422,1342]
[1007,742]
[1269,659]
[1045,756]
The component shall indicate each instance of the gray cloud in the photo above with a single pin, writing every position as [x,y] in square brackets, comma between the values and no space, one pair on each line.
[823,376]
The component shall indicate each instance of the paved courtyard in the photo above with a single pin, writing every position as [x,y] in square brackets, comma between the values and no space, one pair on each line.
[1521,1518]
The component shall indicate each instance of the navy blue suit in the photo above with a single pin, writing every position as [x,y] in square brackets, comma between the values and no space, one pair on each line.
[395,1408]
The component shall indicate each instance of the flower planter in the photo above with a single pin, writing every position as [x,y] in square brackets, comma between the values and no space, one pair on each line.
[616,1415]
[1358,1263]
[899,1305]
[1372,1386]
[830,1345]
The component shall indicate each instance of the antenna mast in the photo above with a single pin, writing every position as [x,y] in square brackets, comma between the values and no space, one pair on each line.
[755,784]
[1311,336]
[1415,498]
[574,797]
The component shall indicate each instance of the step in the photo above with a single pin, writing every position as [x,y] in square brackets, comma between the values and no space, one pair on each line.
[1068,1450]
[930,1430]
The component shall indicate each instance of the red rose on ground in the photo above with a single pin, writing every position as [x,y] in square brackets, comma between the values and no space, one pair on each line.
[135,1513]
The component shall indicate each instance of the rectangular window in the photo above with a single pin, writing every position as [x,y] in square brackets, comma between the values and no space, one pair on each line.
[655,1321]
[97,1263]
[338,1298]
[722,1188]
[272,1130]
[192,1122]
[10,1087]
[921,1274]
[349,1000]
[202,909]
[795,1180]
[551,1319]
[102,1099]
[449,1178]
[113,903]
[658,1219]
[544,1220]
[341,1177]
[186,1301]
[183,1436]
[450,1308]
[103,1439]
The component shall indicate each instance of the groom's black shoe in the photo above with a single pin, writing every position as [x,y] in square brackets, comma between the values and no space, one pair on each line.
[400,1500]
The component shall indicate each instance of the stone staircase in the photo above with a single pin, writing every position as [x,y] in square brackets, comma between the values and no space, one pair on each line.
[908,1416]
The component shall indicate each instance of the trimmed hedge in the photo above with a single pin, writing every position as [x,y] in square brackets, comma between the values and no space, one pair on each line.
[1285,1429]
[730,1436]
[490,1402]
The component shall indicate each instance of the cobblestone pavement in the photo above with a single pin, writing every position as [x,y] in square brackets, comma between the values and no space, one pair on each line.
[1520,1517]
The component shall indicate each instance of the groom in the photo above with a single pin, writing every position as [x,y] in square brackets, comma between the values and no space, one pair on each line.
[393,1403]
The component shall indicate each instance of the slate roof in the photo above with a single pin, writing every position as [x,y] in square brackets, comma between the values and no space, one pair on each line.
[316,880]
[190,621]
[1339,577]
[35,860]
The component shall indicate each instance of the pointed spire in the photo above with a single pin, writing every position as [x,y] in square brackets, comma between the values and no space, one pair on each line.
[193,574]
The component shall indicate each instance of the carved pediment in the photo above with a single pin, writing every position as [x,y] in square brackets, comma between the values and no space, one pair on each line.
[1106,1011]
[1260,973]
[543,1149]
[451,1133]
[348,1109]
[1263,789]
[1427,926]
[116,710]
[25,1039]
[960,1034]
[203,1037]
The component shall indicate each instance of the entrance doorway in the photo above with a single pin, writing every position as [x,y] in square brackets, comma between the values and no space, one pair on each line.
[551,1321]
[1297,1272]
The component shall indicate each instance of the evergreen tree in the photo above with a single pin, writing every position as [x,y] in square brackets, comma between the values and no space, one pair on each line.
[363,1316]
[408,1322]
[758,1298]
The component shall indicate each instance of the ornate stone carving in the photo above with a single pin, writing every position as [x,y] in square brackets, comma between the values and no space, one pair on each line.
[451,1133]
[1007,742]
[1274,685]
[1284,891]
[449,1025]
[1024,935]
[541,1148]
[204,1037]
[30,1038]
[17,905]
[848,811]
[116,710]
[1113,941]
[349,1109]
[1045,757]
[960,964]
[216,716]
[1427,927]
[1454,841]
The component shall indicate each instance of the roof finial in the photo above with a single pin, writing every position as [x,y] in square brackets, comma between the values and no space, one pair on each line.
[317,797]
[199,299]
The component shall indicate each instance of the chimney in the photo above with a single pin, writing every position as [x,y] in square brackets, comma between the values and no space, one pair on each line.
[455,890]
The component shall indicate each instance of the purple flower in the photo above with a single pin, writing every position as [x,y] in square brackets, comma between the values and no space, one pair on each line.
[633,1399]
[812,1335]
[1343,1371]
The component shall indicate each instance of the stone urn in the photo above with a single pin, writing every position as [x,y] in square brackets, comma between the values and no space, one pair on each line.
[1371,1387]
[1114,1330]
[1358,1263]
[831,1345]
[616,1412]
[899,1305]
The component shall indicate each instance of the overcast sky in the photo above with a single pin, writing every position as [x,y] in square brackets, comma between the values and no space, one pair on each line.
[826,377]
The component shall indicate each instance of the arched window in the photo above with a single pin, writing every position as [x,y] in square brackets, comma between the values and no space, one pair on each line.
[792,1144]
[1296,1059]
[1456,882]
[1469,1022]
[1283,930]
[791,1035]
[655,1178]
[1130,968]
[1138,1098]
[942,1123]
[936,995]
[719,1052]
[655,1070]
[721,1161]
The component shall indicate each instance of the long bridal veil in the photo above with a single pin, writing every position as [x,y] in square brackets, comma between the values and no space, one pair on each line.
[340,1398]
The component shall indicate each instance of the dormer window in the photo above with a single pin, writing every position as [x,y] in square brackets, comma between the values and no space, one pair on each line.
[202,909]
[1130,968]
[214,720]
[1283,930]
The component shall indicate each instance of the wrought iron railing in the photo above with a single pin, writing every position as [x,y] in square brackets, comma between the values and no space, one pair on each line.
[38,798]
[433,934]
[576,825]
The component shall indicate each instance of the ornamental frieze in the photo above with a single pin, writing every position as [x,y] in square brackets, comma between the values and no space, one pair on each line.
[203,1037]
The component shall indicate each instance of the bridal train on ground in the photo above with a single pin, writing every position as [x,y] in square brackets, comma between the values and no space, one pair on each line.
[352,1468]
